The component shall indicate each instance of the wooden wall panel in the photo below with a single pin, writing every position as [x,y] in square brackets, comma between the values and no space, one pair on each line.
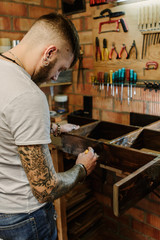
[131,18]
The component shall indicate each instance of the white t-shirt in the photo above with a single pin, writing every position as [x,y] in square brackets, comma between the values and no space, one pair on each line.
[24,120]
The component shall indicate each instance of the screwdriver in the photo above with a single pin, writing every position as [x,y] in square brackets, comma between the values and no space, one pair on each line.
[131,82]
[108,85]
[128,77]
[119,81]
[122,82]
[116,81]
[106,82]
[113,81]
[134,82]
[110,79]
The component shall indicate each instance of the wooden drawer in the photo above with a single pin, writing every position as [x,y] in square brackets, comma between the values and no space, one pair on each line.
[139,169]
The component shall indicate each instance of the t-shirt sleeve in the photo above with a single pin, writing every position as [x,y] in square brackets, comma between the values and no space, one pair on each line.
[28,119]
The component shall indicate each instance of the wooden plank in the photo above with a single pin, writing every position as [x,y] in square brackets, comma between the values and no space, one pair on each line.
[54,84]
[141,120]
[60,204]
[154,126]
[127,160]
[118,172]
[109,130]
[136,186]
[86,129]
[148,139]
[79,120]
[128,139]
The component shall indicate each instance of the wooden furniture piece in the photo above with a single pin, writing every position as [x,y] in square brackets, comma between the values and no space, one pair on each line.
[132,152]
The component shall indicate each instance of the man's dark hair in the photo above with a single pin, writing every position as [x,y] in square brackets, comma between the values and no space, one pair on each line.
[66,29]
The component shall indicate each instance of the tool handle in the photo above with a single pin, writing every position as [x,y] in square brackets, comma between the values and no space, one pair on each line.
[124,25]
[110,76]
[106,10]
[128,74]
[134,78]
[131,75]
[105,77]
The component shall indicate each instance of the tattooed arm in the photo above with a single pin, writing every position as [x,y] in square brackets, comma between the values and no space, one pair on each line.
[46,184]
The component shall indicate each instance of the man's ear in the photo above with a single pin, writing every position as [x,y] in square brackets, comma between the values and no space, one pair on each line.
[50,51]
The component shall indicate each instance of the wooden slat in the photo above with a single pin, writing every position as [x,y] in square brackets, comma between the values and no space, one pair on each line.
[136,186]
[127,160]
[54,84]
[86,129]
[60,204]
[128,139]
[148,139]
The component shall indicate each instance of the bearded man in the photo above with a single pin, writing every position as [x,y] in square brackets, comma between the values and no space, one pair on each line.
[28,181]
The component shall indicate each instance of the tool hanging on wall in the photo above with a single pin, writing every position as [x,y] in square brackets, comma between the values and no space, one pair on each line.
[105,52]
[113,49]
[81,69]
[133,48]
[110,14]
[118,21]
[98,51]
[106,83]
[100,2]
[150,66]
[149,16]
[128,87]
[152,86]
[123,49]
[149,39]
[149,23]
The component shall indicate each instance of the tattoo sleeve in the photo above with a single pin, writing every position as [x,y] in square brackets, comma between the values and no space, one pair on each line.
[46,184]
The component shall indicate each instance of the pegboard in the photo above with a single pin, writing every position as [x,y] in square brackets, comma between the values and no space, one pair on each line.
[121,37]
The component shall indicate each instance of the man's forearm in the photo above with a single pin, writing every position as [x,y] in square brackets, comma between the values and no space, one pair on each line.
[46,184]
[65,182]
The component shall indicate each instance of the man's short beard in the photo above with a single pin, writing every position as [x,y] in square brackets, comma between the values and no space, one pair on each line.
[43,74]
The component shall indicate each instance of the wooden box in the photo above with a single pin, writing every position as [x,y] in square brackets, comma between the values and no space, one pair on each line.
[131,151]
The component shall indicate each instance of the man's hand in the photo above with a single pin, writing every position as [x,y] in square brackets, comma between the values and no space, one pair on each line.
[69,127]
[88,159]
[65,127]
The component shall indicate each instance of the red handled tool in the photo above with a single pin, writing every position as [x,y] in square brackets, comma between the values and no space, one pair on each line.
[108,22]
[117,21]
[150,66]
[113,49]
[123,49]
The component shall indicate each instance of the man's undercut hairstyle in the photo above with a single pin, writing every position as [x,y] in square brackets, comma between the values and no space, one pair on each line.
[65,28]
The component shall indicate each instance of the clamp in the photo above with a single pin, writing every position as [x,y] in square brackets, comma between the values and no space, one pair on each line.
[133,46]
[112,50]
[123,49]
[150,66]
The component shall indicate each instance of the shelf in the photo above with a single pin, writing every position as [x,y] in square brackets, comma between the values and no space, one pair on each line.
[55,84]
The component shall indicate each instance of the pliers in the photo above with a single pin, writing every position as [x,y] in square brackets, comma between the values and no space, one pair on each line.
[123,49]
[112,50]
[105,52]
[98,51]
[133,46]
